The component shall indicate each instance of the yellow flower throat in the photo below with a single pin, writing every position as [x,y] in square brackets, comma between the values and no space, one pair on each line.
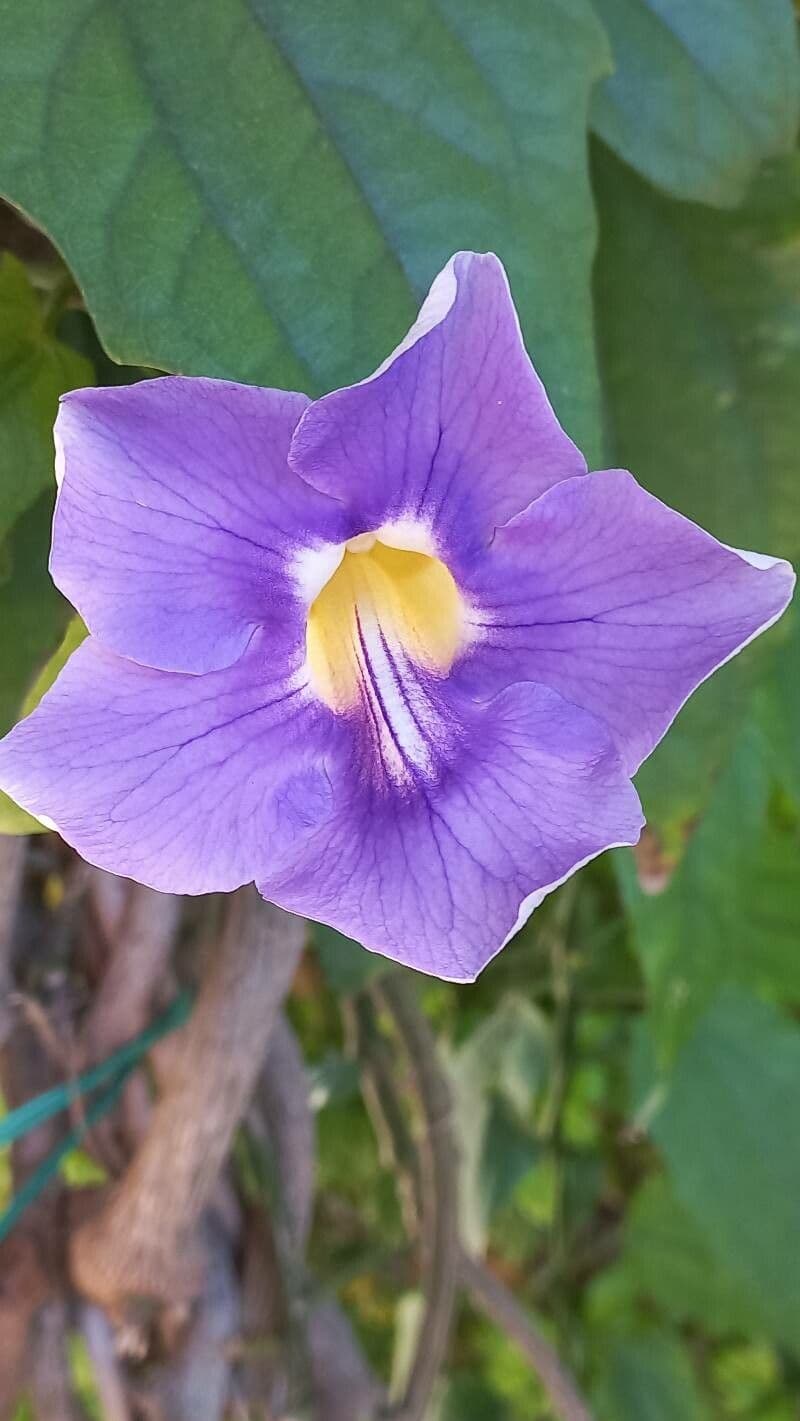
[382,609]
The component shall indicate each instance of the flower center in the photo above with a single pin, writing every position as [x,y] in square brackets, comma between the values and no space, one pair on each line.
[381,635]
[384,610]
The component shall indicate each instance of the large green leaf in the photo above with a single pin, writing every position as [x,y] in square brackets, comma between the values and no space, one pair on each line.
[732,910]
[253,189]
[699,335]
[648,1378]
[780,708]
[34,370]
[728,1129]
[667,1261]
[701,92]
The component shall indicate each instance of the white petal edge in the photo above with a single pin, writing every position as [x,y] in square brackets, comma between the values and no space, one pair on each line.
[758,560]
[61,458]
[527,907]
[534,900]
[435,307]
[764,563]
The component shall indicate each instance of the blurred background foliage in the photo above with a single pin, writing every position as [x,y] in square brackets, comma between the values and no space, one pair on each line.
[262,190]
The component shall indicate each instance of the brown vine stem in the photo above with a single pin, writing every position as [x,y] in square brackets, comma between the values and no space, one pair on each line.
[140,927]
[323,1353]
[31,1257]
[13,849]
[141,945]
[195,1384]
[396,1148]
[499,1304]
[281,1114]
[343,1386]
[487,1292]
[108,1378]
[25,1287]
[144,1241]
[438,1194]
[50,1379]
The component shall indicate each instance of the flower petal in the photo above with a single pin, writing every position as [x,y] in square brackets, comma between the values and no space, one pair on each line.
[454,430]
[438,871]
[177,516]
[619,603]
[189,784]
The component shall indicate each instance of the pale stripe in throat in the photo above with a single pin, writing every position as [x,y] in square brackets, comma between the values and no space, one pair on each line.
[383,630]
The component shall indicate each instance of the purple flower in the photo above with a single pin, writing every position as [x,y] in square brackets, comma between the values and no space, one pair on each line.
[394,655]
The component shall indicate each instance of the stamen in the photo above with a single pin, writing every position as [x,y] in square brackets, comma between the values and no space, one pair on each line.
[361,543]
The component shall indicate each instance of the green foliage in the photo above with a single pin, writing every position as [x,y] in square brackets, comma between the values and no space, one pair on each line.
[32,619]
[667,1263]
[32,613]
[469,1399]
[703,352]
[648,1378]
[345,963]
[71,640]
[699,334]
[702,91]
[35,368]
[280,142]
[732,910]
[780,709]
[747,1379]
[81,1171]
[728,1132]
[83,1378]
